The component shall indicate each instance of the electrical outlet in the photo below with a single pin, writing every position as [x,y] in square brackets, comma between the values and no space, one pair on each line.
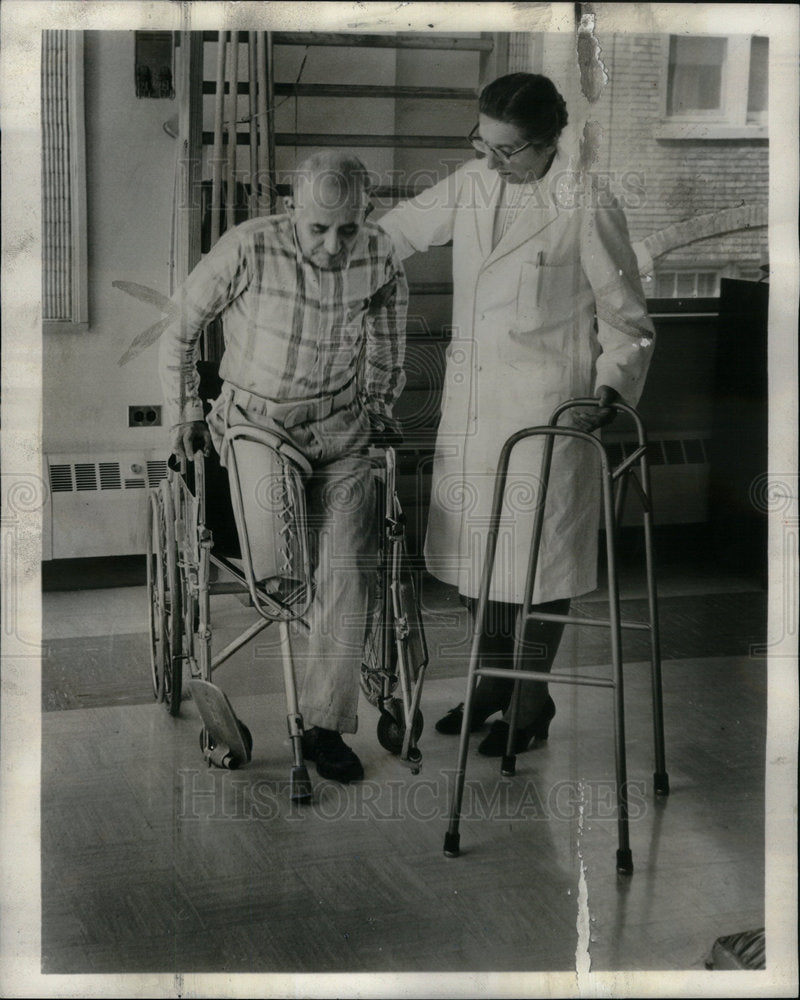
[146,415]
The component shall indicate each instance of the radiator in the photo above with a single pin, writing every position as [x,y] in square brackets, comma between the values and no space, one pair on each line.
[97,506]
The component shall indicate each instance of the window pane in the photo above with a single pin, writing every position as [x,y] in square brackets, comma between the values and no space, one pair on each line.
[686,285]
[694,79]
[759,72]
[707,284]
[665,285]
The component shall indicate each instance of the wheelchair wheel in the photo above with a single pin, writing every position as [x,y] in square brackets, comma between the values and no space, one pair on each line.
[392,729]
[164,590]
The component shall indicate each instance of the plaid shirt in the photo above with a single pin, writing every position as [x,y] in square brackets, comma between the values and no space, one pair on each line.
[293,331]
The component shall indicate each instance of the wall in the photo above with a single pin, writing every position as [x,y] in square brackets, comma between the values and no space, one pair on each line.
[680,179]
[130,167]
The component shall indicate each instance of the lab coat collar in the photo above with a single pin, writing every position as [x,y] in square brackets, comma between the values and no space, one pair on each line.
[539,213]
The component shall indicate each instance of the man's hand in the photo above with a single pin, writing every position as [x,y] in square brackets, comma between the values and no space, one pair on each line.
[591,420]
[189,438]
[386,431]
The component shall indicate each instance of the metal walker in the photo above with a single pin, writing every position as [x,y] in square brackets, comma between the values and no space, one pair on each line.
[612,509]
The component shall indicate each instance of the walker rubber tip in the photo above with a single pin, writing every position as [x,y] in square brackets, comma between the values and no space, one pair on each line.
[661,782]
[509,766]
[625,861]
[451,842]
[300,785]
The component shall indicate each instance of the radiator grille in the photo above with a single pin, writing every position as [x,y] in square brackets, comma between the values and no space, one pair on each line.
[69,476]
[109,476]
[86,476]
[156,471]
[61,478]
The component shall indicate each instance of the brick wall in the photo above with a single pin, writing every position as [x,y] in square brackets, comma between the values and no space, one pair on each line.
[665,181]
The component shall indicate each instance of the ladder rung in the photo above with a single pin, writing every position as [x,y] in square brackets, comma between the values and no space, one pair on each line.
[420,41]
[430,287]
[398,141]
[364,90]
[352,90]
[345,141]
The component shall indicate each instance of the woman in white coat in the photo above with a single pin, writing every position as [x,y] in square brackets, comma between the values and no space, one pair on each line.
[547,305]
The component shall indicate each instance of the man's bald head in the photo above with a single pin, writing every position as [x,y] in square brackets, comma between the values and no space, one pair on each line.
[330,178]
[330,198]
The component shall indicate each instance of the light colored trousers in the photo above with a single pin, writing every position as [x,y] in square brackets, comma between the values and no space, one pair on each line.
[340,502]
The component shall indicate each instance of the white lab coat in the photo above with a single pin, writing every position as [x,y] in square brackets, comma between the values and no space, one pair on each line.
[524,340]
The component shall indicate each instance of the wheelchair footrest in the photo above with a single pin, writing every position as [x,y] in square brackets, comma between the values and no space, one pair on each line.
[225,740]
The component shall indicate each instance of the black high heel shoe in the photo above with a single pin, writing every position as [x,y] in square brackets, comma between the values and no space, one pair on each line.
[494,743]
[450,724]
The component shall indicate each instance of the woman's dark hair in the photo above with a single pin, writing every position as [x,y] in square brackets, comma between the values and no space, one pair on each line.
[530,102]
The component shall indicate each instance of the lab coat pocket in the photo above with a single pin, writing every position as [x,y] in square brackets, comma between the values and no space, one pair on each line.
[546,294]
[530,314]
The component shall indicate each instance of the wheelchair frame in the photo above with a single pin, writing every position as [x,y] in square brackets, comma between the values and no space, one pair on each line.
[395,649]
[179,559]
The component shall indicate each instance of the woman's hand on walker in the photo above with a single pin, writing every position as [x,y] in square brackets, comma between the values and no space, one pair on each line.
[591,420]
[190,438]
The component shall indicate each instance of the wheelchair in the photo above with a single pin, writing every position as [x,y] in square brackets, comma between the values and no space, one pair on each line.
[197,547]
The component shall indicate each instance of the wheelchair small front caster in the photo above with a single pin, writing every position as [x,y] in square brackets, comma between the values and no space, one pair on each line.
[219,754]
[392,729]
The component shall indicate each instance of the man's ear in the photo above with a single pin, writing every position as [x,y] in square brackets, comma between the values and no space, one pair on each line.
[288,202]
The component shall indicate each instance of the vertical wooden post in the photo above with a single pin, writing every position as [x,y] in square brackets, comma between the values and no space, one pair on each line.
[216,154]
[270,126]
[265,126]
[233,102]
[253,123]
[188,204]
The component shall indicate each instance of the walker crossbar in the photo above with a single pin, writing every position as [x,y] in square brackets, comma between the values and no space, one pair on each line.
[612,508]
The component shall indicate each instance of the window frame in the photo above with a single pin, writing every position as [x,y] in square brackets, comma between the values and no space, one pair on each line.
[730,121]
[718,271]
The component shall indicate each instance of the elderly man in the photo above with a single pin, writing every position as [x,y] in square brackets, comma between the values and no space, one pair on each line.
[313,307]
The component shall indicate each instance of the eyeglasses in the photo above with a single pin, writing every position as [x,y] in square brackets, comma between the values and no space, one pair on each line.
[481,146]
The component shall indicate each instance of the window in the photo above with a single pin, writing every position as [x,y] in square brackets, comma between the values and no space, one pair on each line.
[681,284]
[695,76]
[715,87]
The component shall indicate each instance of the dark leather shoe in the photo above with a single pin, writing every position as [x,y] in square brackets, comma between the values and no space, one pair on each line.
[334,759]
[450,724]
[494,743]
